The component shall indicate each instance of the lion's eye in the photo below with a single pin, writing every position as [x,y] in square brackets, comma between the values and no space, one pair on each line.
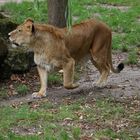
[19,30]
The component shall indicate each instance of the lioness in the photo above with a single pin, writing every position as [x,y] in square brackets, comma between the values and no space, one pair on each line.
[54,47]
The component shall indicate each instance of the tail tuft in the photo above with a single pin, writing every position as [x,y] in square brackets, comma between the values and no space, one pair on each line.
[120,67]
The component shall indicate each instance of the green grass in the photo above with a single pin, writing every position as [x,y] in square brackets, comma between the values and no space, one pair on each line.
[132,57]
[103,118]
[109,133]
[20,12]
[22,89]
[16,88]
[54,79]
[3,93]
[99,119]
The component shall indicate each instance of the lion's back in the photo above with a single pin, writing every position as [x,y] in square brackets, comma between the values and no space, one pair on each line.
[80,38]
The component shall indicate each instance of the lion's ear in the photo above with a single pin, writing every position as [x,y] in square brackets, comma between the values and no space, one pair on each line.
[33,28]
[29,20]
[30,25]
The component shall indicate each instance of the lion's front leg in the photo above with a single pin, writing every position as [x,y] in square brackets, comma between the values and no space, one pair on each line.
[43,80]
[68,75]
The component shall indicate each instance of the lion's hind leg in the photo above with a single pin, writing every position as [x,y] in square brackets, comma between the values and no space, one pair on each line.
[102,64]
[103,78]
[68,75]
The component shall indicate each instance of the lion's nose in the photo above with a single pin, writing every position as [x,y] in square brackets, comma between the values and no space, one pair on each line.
[9,34]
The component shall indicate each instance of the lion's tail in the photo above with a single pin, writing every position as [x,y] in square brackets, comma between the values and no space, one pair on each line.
[120,66]
[118,69]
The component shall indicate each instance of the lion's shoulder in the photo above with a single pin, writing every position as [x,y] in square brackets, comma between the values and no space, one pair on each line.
[56,32]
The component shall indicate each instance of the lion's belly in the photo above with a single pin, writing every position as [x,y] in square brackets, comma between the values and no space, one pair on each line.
[79,51]
[41,61]
[78,45]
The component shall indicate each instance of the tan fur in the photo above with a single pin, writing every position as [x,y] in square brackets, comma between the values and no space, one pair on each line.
[54,47]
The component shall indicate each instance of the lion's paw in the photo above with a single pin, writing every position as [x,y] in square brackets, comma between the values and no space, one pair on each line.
[37,95]
[75,85]
[100,84]
[72,86]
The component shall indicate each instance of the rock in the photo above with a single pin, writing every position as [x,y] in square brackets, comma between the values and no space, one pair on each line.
[5,72]
[2,16]
[12,60]
[19,59]
[4,69]
[6,26]
[3,50]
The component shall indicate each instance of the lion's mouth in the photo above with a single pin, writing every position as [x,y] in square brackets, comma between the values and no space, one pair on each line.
[16,44]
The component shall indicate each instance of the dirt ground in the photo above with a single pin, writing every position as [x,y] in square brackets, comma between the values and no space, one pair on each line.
[123,87]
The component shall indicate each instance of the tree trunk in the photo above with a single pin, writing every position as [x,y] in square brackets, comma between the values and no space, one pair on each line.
[56,12]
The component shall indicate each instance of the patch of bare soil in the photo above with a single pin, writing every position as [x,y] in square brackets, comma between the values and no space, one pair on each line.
[118,7]
[124,86]
[26,131]
[138,20]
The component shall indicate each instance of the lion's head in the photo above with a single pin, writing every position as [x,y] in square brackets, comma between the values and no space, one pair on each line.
[21,36]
